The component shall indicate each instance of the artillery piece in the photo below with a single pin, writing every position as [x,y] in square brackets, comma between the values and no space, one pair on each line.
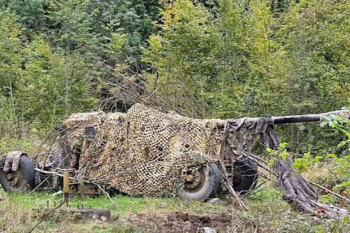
[147,152]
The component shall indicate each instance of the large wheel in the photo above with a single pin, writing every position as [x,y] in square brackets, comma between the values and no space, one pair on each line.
[20,181]
[245,177]
[201,183]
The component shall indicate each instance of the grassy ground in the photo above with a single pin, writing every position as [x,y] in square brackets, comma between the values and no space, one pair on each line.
[268,213]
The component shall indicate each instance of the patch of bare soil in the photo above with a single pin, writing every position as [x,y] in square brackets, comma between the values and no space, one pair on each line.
[177,220]
[182,222]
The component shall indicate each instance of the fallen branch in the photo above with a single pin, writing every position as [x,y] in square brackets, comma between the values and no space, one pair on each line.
[104,191]
[308,181]
[45,216]
[39,185]
[295,188]
[330,191]
[48,172]
[298,191]
[225,178]
[229,187]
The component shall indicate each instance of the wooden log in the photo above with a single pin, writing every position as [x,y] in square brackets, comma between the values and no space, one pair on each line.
[99,215]
[79,214]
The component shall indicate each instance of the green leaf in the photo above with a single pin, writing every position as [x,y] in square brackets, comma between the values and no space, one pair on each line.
[271,162]
[323,123]
[341,144]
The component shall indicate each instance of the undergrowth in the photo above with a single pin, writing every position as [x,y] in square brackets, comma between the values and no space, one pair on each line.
[267,213]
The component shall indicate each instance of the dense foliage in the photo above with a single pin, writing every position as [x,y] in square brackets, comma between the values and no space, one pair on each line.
[209,58]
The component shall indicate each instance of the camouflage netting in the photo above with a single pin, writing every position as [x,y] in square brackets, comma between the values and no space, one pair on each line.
[146,152]
[143,152]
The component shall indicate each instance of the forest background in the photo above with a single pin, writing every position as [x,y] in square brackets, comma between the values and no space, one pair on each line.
[207,59]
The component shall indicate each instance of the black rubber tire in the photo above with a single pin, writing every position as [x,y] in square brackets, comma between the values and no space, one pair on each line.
[26,168]
[248,176]
[209,188]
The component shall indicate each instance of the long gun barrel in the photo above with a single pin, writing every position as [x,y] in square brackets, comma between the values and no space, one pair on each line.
[296,118]
[307,118]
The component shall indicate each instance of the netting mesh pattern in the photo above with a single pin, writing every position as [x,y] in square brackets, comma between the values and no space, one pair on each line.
[143,152]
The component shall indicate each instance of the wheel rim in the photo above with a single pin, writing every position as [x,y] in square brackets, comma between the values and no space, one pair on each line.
[194,180]
[15,179]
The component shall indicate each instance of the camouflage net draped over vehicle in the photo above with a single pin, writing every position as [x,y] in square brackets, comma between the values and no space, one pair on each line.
[143,152]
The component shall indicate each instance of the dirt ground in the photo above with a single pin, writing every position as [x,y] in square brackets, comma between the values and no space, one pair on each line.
[182,222]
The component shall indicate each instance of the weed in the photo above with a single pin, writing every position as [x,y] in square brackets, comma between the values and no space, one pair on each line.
[268,213]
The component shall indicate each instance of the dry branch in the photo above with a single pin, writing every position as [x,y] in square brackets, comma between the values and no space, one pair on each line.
[224,176]
[45,216]
[295,188]
[330,191]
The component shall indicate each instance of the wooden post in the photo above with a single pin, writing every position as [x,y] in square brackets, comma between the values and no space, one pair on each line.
[66,188]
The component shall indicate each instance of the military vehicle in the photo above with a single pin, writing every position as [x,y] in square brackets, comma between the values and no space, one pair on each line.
[147,152]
